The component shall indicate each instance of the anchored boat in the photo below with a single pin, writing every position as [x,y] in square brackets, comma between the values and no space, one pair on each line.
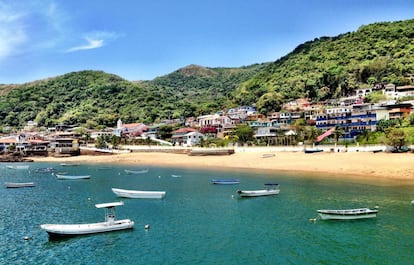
[18,184]
[347,214]
[225,181]
[270,189]
[110,224]
[139,194]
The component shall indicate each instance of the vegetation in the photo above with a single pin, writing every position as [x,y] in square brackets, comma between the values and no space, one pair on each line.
[326,67]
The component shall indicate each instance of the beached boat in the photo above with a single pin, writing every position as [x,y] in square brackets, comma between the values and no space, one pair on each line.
[270,189]
[225,181]
[347,214]
[72,177]
[18,167]
[136,171]
[311,151]
[18,184]
[139,194]
[110,224]
[268,155]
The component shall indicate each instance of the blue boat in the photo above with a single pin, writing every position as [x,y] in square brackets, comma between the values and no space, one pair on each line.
[225,181]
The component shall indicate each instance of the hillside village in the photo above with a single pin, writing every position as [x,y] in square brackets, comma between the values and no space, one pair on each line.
[350,115]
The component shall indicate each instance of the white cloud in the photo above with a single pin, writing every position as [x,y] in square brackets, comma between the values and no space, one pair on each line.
[12,33]
[92,44]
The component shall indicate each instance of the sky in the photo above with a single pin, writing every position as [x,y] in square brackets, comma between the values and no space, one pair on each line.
[141,39]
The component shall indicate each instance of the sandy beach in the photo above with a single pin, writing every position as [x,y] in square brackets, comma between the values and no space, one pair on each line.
[354,165]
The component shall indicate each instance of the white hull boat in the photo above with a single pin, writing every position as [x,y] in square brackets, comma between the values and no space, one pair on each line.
[270,189]
[18,167]
[225,181]
[347,214]
[18,184]
[136,171]
[139,194]
[110,224]
[72,177]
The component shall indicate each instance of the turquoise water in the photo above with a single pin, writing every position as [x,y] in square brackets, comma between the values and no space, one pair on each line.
[202,223]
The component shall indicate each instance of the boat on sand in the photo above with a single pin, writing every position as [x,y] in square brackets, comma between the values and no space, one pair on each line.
[347,214]
[110,224]
[270,189]
[138,194]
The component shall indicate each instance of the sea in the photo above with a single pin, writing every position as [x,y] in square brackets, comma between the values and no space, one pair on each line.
[202,223]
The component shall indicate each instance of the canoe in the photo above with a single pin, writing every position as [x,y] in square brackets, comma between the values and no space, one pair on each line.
[72,177]
[110,224]
[139,194]
[18,184]
[347,214]
[225,181]
[136,171]
[270,189]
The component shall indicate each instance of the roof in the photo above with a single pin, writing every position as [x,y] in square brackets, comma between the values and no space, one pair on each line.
[109,204]
[185,130]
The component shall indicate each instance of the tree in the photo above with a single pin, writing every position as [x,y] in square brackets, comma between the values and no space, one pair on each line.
[396,137]
[244,133]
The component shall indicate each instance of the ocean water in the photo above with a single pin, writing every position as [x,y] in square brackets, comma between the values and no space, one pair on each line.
[201,223]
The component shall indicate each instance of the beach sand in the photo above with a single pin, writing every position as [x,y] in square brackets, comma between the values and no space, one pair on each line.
[355,165]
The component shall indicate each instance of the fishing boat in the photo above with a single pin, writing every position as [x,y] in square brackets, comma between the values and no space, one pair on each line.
[139,194]
[225,181]
[72,177]
[269,189]
[136,171]
[347,214]
[18,184]
[110,224]
[18,167]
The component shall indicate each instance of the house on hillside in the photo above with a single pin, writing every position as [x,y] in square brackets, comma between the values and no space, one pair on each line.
[186,137]
[130,129]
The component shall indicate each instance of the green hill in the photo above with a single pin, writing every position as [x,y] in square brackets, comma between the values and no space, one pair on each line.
[327,67]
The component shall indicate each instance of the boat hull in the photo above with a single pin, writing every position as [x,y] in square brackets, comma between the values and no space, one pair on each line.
[348,214]
[257,193]
[139,194]
[69,177]
[19,184]
[69,230]
[225,181]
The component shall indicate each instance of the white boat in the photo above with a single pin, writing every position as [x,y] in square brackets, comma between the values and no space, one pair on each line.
[347,214]
[18,184]
[270,189]
[139,194]
[18,167]
[110,224]
[136,171]
[69,164]
[72,177]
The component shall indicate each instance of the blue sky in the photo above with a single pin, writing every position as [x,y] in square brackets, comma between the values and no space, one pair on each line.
[140,40]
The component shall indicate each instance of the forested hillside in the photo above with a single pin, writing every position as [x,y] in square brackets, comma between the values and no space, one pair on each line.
[326,67]
[329,67]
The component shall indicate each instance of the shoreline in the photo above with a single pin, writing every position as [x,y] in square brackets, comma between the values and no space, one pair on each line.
[352,165]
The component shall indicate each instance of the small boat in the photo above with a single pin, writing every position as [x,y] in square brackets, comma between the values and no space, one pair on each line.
[72,177]
[347,214]
[18,167]
[176,176]
[225,181]
[268,155]
[44,170]
[270,189]
[139,194]
[110,224]
[136,171]
[69,164]
[311,151]
[18,184]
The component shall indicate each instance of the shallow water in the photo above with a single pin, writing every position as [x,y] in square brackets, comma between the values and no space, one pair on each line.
[202,223]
